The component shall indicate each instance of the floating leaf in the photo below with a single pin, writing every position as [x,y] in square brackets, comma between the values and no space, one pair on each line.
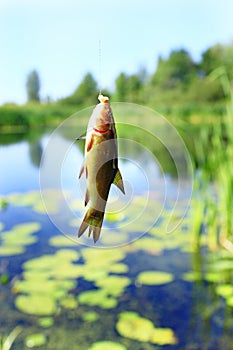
[192,276]
[163,336]
[213,276]
[230,301]
[69,302]
[154,277]
[131,325]
[15,240]
[97,298]
[113,285]
[47,281]
[90,316]
[61,241]
[114,216]
[119,268]
[225,290]
[36,304]
[46,322]
[35,340]
[107,345]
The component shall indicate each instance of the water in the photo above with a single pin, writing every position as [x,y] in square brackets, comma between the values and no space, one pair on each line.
[193,311]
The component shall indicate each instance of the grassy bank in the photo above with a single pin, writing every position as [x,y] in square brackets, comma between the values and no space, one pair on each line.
[212,207]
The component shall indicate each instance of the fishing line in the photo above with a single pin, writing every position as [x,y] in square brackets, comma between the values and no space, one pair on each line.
[100,67]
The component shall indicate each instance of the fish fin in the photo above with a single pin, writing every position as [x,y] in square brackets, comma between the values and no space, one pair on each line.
[115,163]
[119,182]
[81,138]
[81,171]
[93,219]
[90,143]
[87,197]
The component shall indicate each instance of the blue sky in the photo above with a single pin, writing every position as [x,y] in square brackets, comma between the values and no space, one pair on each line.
[60,39]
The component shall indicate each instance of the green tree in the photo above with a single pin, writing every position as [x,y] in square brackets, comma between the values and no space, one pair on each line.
[128,87]
[33,87]
[121,90]
[217,56]
[179,68]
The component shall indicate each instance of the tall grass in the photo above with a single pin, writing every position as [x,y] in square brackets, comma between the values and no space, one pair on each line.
[212,206]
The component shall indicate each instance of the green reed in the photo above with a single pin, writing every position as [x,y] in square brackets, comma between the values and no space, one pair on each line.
[7,342]
[212,204]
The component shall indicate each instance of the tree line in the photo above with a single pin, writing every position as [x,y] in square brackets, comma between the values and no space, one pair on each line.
[177,81]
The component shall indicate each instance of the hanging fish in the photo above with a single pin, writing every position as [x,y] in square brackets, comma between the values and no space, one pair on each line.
[100,166]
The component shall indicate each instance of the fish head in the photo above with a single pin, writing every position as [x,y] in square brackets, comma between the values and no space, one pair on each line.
[102,118]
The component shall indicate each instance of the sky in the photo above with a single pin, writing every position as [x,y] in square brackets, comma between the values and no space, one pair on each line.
[65,39]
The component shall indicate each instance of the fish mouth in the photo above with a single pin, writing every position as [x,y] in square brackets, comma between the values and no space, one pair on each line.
[103,99]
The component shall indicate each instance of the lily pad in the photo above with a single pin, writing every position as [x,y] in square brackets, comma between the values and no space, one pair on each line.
[35,340]
[61,241]
[46,283]
[154,277]
[192,276]
[113,285]
[14,241]
[107,345]
[163,336]
[114,216]
[131,325]
[225,290]
[46,322]
[36,304]
[90,316]
[119,268]
[69,302]
[230,301]
[97,298]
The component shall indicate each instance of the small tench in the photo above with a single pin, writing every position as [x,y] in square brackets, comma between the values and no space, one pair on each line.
[100,165]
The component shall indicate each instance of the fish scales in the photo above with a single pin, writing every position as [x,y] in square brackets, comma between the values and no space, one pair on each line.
[100,166]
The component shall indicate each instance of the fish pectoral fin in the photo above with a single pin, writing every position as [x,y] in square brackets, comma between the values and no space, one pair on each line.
[119,182]
[90,143]
[81,138]
[87,197]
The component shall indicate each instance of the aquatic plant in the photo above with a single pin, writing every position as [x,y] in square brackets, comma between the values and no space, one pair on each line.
[14,241]
[7,342]
[61,241]
[46,283]
[132,325]
[3,203]
[46,322]
[154,277]
[97,297]
[113,285]
[212,208]
[33,199]
[90,316]
[35,340]
[107,345]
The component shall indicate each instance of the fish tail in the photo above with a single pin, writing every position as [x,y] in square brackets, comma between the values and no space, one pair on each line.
[93,219]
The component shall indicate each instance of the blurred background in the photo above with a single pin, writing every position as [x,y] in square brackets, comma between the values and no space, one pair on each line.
[164,290]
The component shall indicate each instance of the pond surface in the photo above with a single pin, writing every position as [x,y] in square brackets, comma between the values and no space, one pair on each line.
[140,287]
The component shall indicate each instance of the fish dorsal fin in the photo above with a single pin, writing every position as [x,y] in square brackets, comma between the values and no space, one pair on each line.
[118,181]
